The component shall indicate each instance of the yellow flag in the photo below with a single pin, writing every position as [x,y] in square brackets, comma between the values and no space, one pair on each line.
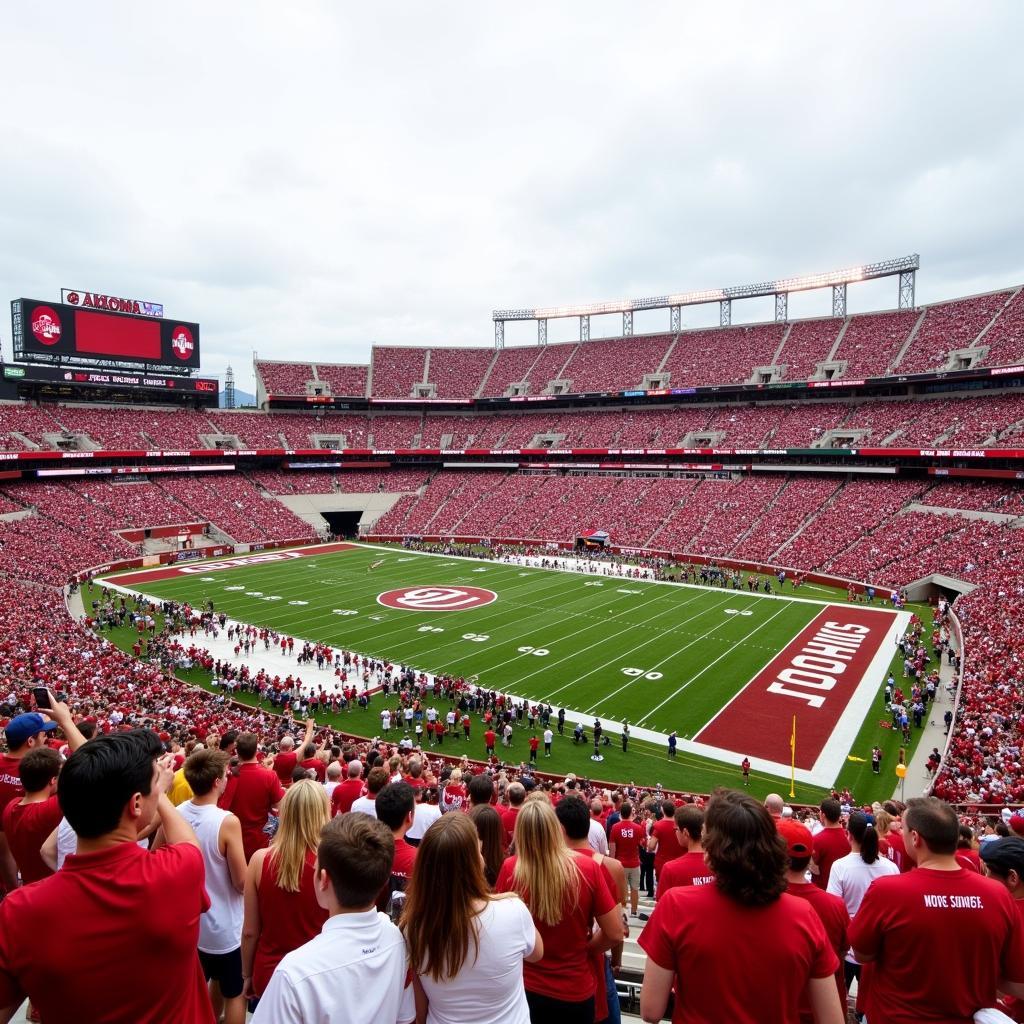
[859,760]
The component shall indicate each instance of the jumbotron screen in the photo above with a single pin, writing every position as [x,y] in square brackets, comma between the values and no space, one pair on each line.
[53,332]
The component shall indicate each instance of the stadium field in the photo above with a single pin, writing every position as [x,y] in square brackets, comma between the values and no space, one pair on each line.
[727,670]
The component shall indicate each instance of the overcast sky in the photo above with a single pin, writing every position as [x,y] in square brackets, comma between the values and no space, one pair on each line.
[313,178]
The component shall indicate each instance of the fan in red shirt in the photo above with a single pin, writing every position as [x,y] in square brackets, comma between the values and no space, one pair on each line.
[741,950]
[516,794]
[287,759]
[692,867]
[116,924]
[489,739]
[830,843]
[830,909]
[940,905]
[254,796]
[663,842]
[312,761]
[564,892]
[349,790]
[29,821]
[624,842]
[396,806]
[25,733]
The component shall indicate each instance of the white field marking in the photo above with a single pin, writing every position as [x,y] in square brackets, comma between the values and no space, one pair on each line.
[833,756]
[675,653]
[583,629]
[624,654]
[653,583]
[499,611]
[710,665]
[300,586]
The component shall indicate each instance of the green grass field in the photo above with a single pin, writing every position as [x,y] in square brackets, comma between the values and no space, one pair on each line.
[661,657]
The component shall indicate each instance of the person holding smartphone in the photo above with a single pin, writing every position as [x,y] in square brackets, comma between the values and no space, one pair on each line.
[24,733]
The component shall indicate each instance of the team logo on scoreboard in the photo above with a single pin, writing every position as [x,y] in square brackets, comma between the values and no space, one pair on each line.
[436,599]
[181,342]
[45,325]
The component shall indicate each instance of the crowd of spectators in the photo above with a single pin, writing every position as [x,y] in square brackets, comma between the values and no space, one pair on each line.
[112,693]
[994,420]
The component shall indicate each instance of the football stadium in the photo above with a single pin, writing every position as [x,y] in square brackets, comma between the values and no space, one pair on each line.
[662,591]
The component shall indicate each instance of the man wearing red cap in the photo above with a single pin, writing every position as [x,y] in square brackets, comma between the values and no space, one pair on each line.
[831,909]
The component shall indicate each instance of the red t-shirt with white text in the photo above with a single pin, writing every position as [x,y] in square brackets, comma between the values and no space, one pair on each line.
[10,781]
[628,837]
[904,924]
[690,869]
[744,965]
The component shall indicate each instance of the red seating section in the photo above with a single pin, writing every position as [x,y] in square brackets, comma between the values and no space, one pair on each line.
[872,342]
[349,381]
[949,326]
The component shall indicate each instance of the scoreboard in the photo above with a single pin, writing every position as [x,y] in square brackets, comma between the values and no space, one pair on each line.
[53,332]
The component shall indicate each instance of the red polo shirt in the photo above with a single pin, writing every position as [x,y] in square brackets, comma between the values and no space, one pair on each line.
[111,936]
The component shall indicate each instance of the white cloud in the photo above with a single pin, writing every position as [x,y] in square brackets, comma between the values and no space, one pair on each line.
[314,178]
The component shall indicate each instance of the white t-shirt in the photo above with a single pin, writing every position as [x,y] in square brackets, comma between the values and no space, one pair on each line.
[598,839]
[489,989]
[850,879]
[365,805]
[354,970]
[424,816]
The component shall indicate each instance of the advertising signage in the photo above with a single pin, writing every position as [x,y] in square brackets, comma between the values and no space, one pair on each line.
[60,333]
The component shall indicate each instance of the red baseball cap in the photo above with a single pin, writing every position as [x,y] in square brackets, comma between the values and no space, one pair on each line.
[799,842]
[1016,822]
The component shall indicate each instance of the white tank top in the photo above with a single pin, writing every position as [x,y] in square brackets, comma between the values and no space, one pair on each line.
[220,928]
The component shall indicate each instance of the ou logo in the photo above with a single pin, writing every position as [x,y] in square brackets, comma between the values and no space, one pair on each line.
[436,599]
[641,672]
[537,652]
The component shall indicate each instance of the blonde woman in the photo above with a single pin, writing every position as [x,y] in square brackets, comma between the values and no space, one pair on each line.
[281,909]
[453,797]
[466,946]
[565,892]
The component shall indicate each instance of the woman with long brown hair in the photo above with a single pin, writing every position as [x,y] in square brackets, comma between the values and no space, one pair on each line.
[565,892]
[492,839]
[281,909]
[741,949]
[466,945]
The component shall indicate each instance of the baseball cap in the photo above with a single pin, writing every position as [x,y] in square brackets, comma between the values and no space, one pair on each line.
[1016,822]
[24,727]
[799,842]
[1004,854]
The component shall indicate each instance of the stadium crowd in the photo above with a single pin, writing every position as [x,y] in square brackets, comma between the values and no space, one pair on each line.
[275,853]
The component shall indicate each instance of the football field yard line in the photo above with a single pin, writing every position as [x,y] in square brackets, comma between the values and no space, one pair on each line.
[674,654]
[623,653]
[481,623]
[709,666]
[567,636]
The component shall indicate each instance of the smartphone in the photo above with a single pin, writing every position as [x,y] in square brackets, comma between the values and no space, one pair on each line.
[42,697]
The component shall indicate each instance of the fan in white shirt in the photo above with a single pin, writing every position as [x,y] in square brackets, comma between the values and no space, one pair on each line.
[467,949]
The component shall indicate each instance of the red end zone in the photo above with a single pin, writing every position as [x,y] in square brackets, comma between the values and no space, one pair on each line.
[814,678]
[168,572]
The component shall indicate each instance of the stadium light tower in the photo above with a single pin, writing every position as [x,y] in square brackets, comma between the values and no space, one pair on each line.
[905,267]
[229,389]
